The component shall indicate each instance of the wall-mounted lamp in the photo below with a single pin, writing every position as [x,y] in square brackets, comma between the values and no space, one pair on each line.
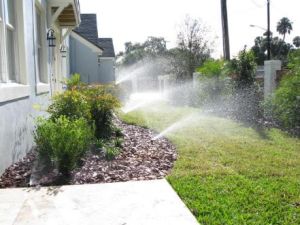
[63,51]
[99,59]
[51,38]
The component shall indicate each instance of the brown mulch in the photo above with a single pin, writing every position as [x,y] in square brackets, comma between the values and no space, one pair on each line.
[18,174]
[141,158]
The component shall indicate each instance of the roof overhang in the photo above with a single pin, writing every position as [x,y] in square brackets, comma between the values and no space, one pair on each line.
[65,13]
[87,43]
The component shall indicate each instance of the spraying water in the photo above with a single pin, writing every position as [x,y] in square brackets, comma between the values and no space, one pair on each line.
[139,100]
[186,121]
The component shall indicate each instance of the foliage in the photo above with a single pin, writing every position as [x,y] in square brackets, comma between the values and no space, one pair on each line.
[118,132]
[211,91]
[74,82]
[100,143]
[111,152]
[63,141]
[72,104]
[212,68]
[102,103]
[151,48]
[284,106]
[296,41]
[193,46]
[243,68]
[284,26]
[228,173]
[118,142]
[278,47]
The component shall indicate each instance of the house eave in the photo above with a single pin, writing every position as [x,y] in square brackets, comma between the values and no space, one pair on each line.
[87,43]
[65,13]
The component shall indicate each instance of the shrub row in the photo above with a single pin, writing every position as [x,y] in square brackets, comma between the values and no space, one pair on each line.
[77,117]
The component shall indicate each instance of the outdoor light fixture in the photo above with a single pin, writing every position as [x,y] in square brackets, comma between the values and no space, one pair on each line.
[51,38]
[63,51]
[99,59]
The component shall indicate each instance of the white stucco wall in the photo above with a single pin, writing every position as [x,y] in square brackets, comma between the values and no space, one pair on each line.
[85,62]
[17,116]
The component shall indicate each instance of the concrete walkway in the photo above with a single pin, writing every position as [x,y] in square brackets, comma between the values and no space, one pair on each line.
[129,203]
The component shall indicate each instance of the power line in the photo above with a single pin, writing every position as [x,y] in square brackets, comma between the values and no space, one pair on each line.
[257,5]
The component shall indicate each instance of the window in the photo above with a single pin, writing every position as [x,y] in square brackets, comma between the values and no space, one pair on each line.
[40,47]
[8,41]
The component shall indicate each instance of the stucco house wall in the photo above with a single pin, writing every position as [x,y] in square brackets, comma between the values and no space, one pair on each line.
[83,61]
[92,57]
[106,70]
[17,115]
[23,100]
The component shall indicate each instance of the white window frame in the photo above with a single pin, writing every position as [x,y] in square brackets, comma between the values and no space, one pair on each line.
[41,66]
[11,90]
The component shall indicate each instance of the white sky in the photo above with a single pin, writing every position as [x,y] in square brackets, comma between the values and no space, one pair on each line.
[135,20]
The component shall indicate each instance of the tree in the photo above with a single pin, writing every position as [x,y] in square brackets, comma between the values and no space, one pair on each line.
[296,41]
[279,49]
[193,47]
[155,46]
[152,47]
[284,26]
[244,67]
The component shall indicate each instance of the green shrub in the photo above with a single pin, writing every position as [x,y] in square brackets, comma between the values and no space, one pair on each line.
[74,82]
[72,104]
[111,152]
[118,132]
[212,68]
[243,69]
[63,141]
[99,143]
[284,106]
[119,142]
[102,103]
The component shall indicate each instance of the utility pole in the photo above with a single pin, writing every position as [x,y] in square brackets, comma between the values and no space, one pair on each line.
[226,46]
[269,33]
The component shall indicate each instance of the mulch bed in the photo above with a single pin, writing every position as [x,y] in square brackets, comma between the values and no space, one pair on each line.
[141,158]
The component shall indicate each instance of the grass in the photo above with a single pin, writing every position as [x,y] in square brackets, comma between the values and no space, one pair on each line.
[228,173]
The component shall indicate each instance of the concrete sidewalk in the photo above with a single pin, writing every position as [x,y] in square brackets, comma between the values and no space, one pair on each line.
[129,203]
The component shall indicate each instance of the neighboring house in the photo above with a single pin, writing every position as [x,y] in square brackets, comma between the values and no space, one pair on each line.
[30,70]
[92,57]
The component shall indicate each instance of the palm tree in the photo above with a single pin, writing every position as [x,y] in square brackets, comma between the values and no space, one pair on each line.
[296,41]
[284,26]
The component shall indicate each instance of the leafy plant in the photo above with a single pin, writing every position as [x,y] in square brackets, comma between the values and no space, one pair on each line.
[212,68]
[119,142]
[102,103]
[111,152]
[71,104]
[99,143]
[63,141]
[243,69]
[74,82]
[118,132]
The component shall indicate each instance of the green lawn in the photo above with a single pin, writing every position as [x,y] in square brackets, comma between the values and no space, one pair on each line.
[228,173]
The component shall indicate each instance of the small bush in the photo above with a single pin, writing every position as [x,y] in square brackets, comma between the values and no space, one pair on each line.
[100,143]
[74,82]
[284,106]
[102,103]
[111,152]
[118,132]
[63,141]
[119,142]
[71,104]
